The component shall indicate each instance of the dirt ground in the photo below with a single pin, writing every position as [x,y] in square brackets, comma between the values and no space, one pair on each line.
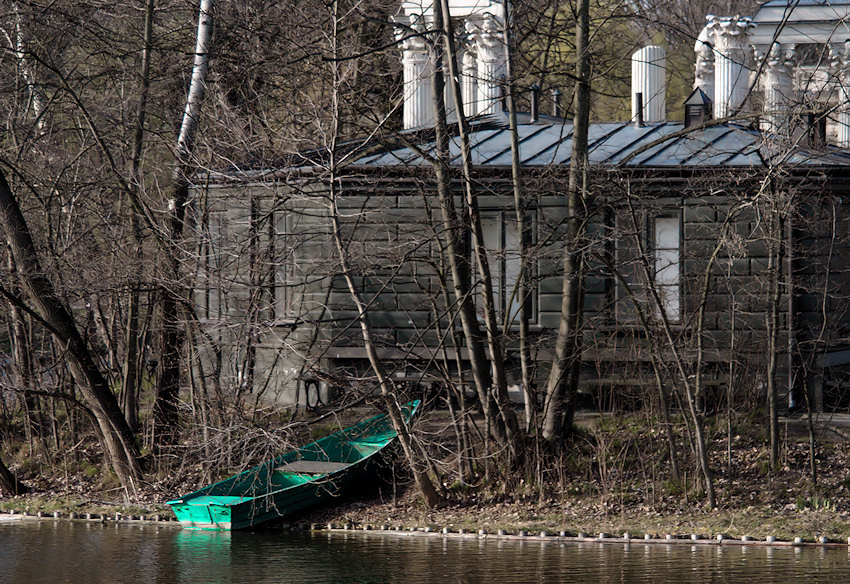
[618,488]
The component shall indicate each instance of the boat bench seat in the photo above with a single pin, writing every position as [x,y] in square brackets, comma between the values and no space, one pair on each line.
[312,467]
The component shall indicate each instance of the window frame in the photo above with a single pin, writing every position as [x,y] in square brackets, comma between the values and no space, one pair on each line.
[503,289]
[670,288]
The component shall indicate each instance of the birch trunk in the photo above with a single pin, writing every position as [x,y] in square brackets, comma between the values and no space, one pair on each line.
[27,69]
[173,336]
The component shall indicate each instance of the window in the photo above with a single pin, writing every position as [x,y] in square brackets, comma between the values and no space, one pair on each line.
[648,257]
[286,295]
[667,277]
[501,239]
[208,293]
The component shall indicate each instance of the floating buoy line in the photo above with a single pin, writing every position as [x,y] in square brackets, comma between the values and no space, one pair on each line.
[581,537]
[459,533]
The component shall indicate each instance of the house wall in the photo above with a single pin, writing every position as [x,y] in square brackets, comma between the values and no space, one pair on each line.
[291,315]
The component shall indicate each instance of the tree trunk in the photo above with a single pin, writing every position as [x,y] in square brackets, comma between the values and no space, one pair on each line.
[429,494]
[678,360]
[22,358]
[172,296]
[774,273]
[562,384]
[131,378]
[523,227]
[9,484]
[119,446]
[494,331]
[456,250]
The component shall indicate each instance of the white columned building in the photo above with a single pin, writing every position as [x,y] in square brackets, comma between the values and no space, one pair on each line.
[489,42]
[802,65]
[778,84]
[841,72]
[483,57]
[731,74]
[418,99]
[469,75]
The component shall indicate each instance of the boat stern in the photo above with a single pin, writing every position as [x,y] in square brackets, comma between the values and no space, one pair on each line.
[202,516]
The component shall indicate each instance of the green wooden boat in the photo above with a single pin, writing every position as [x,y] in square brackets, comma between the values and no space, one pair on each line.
[294,481]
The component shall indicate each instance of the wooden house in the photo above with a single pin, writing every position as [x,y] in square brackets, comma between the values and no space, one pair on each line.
[718,242]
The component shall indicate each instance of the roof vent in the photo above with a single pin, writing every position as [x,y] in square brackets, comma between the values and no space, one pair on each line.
[556,102]
[697,108]
[648,79]
[535,102]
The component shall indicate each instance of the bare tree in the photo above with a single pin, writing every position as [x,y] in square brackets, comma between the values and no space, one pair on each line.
[174,294]
[562,384]
[120,447]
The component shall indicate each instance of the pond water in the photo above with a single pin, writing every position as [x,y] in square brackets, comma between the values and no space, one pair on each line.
[80,552]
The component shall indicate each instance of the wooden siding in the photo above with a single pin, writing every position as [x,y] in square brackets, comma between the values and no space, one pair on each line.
[392,232]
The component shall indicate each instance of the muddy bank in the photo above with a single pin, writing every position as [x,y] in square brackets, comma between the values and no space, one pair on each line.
[615,481]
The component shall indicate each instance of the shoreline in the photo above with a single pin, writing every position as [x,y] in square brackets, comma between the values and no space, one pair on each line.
[580,538]
[634,497]
[544,536]
[8,516]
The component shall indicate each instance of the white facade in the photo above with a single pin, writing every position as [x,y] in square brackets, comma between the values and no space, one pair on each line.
[795,53]
[482,57]
[729,36]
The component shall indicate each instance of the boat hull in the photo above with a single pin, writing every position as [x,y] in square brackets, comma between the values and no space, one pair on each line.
[293,482]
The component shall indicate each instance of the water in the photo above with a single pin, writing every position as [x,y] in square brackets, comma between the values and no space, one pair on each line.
[66,552]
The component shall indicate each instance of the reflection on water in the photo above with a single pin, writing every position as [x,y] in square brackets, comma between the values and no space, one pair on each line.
[61,551]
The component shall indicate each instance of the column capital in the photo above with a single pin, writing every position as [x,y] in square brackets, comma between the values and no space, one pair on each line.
[410,33]
[729,32]
[778,57]
[487,37]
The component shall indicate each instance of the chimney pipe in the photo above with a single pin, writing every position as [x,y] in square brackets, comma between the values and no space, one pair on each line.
[639,106]
[535,102]
[556,102]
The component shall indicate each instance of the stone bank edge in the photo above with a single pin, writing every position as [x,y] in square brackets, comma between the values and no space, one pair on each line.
[580,537]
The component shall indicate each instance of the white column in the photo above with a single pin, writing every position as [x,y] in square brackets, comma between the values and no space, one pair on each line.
[778,85]
[704,69]
[731,75]
[492,57]
[842,74]
[469,77]
[649,68]
[418,101]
